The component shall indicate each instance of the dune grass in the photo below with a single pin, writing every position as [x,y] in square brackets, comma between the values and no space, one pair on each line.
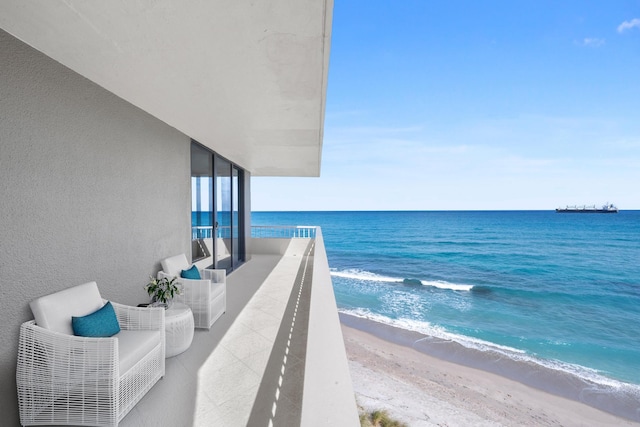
[379,418]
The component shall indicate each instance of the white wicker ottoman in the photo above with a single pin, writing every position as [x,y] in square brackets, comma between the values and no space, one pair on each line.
[178,324]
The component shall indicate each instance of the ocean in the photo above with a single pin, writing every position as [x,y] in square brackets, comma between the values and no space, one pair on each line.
[551,300]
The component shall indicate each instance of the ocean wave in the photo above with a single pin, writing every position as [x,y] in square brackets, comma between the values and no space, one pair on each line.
[446,285]
[430,331]
[373,277]
[364,275]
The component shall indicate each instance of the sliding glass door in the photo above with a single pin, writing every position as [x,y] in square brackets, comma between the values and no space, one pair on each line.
[217,211]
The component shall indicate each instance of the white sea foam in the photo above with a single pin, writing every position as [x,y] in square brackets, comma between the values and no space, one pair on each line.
[446,285]
[426,328]
[365,275]
[356,274]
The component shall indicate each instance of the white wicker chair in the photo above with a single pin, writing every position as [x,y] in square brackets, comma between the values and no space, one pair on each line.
[64,379]
[206,297]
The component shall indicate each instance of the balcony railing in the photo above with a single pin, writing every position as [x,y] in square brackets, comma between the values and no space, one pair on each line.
[257,232]
[202,232]
[206,232]
[283,231]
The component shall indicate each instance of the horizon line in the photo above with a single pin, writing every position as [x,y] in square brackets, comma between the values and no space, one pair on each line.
[422,210]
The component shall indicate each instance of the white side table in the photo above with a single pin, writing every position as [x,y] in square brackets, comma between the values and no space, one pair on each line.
[178,329]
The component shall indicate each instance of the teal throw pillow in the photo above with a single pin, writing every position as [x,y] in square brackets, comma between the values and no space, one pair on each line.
[191,273]
[101,323]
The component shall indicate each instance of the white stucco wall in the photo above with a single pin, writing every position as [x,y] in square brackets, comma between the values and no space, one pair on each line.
[91,188]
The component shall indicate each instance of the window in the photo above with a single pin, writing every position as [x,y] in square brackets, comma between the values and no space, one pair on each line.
[217,211]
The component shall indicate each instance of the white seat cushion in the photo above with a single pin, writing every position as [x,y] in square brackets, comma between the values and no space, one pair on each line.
[54,311]
[134,345]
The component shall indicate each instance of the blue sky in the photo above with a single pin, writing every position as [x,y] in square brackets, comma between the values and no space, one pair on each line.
[447,105]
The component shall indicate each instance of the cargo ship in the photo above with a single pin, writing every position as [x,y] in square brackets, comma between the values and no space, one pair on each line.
[608,208]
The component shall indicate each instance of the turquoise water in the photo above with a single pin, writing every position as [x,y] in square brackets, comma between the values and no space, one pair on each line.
[560,289]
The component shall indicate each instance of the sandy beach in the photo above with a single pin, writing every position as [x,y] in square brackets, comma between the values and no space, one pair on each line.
[422,390]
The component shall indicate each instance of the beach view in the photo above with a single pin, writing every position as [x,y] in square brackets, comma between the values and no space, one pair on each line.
[320,213]
[487,318]
[464,144]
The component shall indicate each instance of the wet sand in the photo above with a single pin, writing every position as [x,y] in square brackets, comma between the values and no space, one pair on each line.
[423,390]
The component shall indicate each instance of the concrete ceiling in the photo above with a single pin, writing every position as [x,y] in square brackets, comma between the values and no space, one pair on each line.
[245,78]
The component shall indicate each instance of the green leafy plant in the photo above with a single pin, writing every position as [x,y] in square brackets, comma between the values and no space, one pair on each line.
[162,290]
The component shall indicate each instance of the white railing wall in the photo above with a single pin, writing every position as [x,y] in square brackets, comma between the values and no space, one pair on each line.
[328,397]
[275,239]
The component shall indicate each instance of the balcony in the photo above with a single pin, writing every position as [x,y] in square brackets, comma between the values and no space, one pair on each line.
[257,232]
[275,358]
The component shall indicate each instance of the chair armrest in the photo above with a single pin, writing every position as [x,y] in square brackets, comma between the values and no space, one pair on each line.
[139,318]
[215,275]
[63,358]
[193,290]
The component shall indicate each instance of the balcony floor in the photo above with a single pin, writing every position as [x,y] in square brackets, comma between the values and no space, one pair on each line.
[248,369]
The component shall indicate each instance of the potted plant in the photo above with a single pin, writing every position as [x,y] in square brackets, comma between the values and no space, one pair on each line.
[162,290]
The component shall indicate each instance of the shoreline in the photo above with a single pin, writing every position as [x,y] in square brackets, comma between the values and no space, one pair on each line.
[425,381]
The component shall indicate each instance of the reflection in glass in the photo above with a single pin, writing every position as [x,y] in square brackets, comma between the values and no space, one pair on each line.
[201,200]
[223,214]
